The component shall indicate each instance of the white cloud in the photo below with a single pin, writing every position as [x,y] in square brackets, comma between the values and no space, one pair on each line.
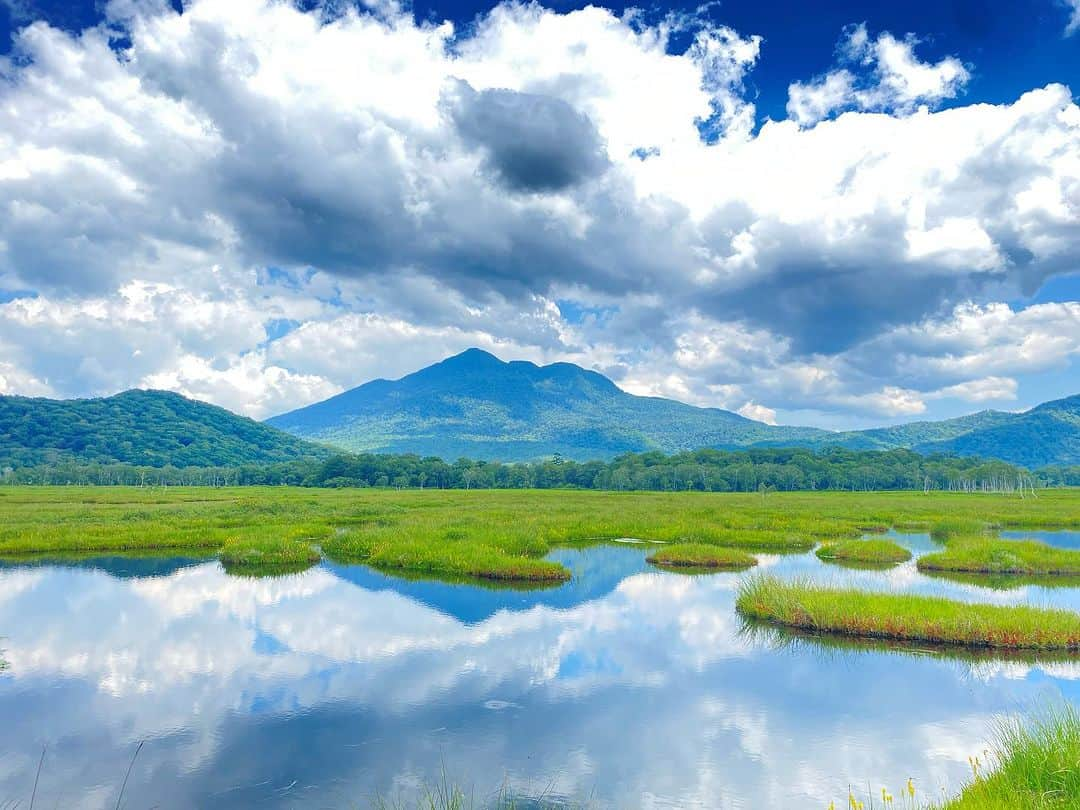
[249,385]
[993,339]
[1074,19]
[980,390]
[898,80]
[347,151]
[751,410]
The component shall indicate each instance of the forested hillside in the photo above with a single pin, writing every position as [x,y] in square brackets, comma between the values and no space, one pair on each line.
[150,428]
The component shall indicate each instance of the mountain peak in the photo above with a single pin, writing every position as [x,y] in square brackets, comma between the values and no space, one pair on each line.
[472,357]
[474,404]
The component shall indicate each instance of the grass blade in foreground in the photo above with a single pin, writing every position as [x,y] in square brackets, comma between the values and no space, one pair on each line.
[1037,768]
[899,616]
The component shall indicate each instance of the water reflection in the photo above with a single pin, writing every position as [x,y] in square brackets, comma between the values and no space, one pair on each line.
[627,686]
[1059,537]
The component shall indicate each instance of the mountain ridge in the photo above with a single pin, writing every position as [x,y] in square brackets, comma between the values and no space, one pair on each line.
[476,406]
[473,404]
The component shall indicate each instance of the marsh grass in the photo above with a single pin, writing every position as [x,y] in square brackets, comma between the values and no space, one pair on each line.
[946,528]
[267,555]
[906,617]
[994,556]
[500,536]
[876,553]
[1035,765]
[701,556]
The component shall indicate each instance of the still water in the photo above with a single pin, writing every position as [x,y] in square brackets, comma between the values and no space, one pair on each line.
[627,687]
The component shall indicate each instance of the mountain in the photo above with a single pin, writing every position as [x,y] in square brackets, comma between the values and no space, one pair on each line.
[478,406]
[1047,434]
[151,428]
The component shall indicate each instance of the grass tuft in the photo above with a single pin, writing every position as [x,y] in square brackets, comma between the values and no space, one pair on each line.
[1034,765]
[266,556]
[906,617]
[701,555]
[871,552]
[987,556]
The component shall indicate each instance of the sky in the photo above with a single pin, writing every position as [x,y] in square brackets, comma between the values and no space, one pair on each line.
[837,214]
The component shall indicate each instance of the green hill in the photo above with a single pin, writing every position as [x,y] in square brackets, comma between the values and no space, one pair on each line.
[150,428]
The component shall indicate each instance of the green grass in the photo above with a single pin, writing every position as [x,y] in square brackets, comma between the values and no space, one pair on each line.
[867,552]
[495,535]
[701,555]
[266,556]
[947,527]
[1033,765]
[905,617]
[992,556]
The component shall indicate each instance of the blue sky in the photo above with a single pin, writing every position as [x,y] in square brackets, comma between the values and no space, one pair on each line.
[841,214]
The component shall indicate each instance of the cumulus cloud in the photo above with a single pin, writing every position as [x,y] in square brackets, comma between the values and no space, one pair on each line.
[880,74]
[257,205]
[751,410]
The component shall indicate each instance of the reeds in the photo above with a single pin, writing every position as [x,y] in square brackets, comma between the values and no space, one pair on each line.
[906,617]
[701,555]
[871,552]
[992,556]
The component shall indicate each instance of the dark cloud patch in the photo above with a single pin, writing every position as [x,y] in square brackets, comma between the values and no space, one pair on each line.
[533,143]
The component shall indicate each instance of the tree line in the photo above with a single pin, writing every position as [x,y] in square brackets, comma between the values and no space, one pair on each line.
[785,469]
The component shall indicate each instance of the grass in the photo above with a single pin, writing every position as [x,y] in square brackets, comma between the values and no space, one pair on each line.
[992,556]
[906,617]
[865,552]
[701,555]
[1033,765]
[266,556]
[500,536]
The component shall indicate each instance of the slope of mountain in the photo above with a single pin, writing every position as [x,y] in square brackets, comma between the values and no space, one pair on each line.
[152,428]
[1047,434]
[475,405]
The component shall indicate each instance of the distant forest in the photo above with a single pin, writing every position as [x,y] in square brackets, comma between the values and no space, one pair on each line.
[704,470]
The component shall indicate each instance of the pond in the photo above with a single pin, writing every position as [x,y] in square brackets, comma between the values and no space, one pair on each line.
[626,687]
